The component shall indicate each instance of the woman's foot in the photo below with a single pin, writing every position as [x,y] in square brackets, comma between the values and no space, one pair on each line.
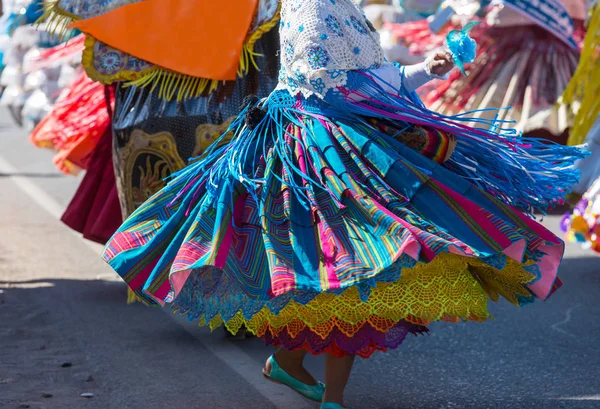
[287,368]
[292,363]
[331,405]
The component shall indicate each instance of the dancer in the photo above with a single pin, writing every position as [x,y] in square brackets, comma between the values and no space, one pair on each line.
[344,215]
[20,44]
[95,211]
[384,15]
[411,42]
[79,117]
[524,64]
[582,224]
[79,129]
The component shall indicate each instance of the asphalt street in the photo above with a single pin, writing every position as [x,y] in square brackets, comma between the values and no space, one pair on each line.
[60,304]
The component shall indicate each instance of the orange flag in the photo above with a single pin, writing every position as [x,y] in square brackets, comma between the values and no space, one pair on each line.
[200,38]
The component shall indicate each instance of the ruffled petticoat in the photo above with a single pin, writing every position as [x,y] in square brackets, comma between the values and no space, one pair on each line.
[335,227]
[523,68]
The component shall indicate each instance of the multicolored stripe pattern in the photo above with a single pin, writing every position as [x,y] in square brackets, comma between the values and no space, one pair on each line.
[308,207]
[376,201]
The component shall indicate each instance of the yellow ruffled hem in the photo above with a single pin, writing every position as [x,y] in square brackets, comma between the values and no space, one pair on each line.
[450,288]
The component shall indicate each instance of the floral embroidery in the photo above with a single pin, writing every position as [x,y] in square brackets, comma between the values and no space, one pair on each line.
[335,73]
[88,9]
[289,51]
[300,78]
[334,25]
[324,50]
[292,84]
[136,64]
[317,57]
[282,74]
[110,61]
[358,25]
[318,85]
[296,5]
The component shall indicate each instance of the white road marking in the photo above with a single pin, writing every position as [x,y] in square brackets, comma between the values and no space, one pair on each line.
[41,198]
[581,398]
[234,357]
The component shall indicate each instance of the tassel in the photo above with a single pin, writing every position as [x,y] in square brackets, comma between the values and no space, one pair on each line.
[254,114]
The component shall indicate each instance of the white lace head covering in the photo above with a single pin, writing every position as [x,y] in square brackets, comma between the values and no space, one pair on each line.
[321,40]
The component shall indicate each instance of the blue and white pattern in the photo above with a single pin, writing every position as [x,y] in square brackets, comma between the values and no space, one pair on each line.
[334,25]
[317,57]
[329,38]
[85,9]
[289,51]
[296,5]
[358,26]
[110,61]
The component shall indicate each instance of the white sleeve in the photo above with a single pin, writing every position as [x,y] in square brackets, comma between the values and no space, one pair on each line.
[416,75]
[391,78]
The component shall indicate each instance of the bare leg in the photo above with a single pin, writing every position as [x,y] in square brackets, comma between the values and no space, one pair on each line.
[337,373]
[292,362]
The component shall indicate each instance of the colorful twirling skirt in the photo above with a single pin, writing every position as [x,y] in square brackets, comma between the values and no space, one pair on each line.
[523,68]
[75,125]
[582,225]
[320,230]
[95,211]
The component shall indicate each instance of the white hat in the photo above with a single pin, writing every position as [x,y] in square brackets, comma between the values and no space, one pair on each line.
[321,40]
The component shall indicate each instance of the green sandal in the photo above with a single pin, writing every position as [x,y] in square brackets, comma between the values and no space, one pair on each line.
[331,405]
[278,375]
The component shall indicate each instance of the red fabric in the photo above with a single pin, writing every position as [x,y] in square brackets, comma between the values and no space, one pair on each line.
[75,125]
[95,211]
[51,56]
[417,36]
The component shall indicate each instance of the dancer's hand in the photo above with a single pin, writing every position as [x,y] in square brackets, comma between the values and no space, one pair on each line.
[441,63]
